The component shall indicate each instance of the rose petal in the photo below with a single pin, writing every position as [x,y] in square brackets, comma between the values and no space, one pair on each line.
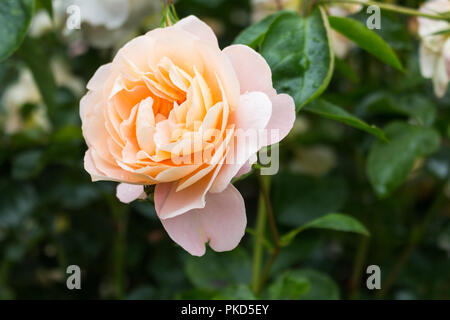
[127,193]
[198,28]
[252,70]
[252,115]
[99,78]
[254,74]
[283,117]
[222,222]
[170,203]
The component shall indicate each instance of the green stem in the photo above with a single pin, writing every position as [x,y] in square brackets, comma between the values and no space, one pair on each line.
[120,216]
[358,266]
[388,7]
[264,183]
[258,246]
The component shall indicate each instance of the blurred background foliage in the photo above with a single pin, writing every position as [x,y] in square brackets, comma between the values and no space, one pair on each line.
[52,215]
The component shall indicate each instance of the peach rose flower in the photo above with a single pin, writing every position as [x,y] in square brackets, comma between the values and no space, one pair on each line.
[158,102]
[435,48]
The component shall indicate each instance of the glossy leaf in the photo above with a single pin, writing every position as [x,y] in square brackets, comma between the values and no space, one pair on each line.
[332,221]
[253,35]
[304,284]
[389,164]
[366,39]
[413,105]
[331,111]
[299,54]
[15,17]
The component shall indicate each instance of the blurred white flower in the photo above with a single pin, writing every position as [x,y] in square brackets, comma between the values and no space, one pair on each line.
[40,24]
[104,23]
[110,14]
[341,45]
[25,91]
[64,77]
[435,48]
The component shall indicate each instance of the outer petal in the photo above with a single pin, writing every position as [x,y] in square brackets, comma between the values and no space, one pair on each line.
[283,116]
[127,193]
[252,70]
[99,78]
[222,222]
[198,28]
[170,203]
[254,74]
[252,115]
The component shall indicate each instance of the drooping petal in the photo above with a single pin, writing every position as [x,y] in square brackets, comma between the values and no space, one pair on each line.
[127,193]
[222,222]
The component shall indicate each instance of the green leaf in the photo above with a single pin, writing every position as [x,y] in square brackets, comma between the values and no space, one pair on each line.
[236,292]
[299,199]
[394,30]
[346,70]
[28,164]
[142,293]
[331,111]
[366,39]
[17,202]
[389,164]
[253,35]
[323,286]
[289,286]
[304,284]
[300,56]
[37,60]
[15,17]
[416,106]
[219,270]
[197,294]
[332,221]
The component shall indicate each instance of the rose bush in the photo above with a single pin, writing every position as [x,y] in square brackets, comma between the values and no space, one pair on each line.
[168,96]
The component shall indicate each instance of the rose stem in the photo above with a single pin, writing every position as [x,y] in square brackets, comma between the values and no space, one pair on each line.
[264,183]
[120,217]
